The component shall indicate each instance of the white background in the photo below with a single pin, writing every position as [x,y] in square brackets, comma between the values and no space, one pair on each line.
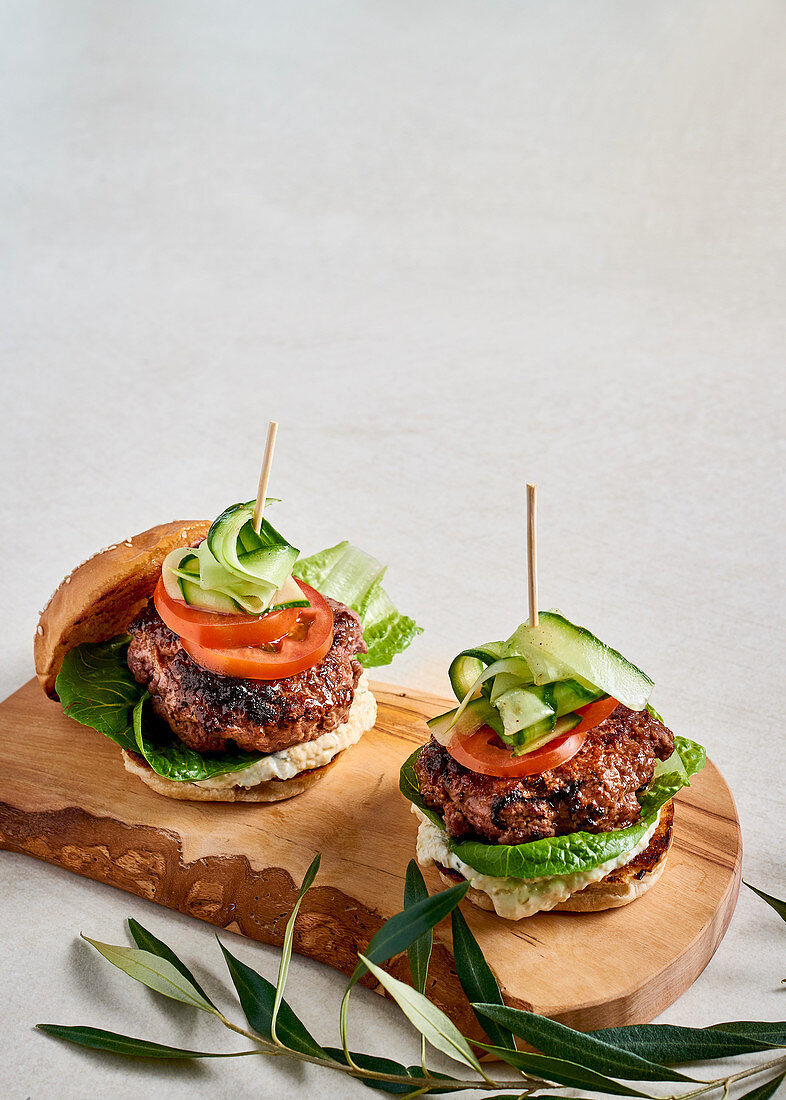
[451,246]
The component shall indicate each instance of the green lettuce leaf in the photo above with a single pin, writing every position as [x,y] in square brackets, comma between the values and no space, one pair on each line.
[169,757]
[354,578]
[565,855]
[97,688]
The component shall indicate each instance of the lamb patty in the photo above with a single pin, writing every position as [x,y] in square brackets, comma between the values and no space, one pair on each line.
[208,710]
[593,792]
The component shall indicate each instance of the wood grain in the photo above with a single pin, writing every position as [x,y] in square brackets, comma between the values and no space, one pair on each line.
[66,798]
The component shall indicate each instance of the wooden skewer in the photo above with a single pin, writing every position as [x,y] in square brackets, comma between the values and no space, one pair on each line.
[264,475]
[532,553]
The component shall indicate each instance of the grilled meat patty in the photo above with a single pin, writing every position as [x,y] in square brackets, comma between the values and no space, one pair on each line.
[594,792]
[207,710]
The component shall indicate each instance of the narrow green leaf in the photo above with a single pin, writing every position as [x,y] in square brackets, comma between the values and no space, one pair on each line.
[766,1032]
[96,688]
[289,935]
[477,979]
[376,1065]
[764,1092]
[778,905]
[397,933]
[154,972]
[673,1045]
[417,1072]
[561,1071]
[148,942]
[419,951]
[257,996]
[593,1052]
[95,1039]
[430,1021]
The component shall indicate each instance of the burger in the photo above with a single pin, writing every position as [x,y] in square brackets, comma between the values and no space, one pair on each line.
[550,785]
[226,667]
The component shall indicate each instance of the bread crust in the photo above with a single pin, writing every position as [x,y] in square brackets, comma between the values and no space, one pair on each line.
[270,790]
[620,887]
[101,597]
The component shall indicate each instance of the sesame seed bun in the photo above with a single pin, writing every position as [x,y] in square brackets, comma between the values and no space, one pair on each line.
[100,597]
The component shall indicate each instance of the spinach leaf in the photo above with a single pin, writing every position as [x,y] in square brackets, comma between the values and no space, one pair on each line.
[98,689]
[169,757]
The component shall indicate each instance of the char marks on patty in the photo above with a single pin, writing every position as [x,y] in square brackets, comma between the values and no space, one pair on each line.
[207,710]
[593,792]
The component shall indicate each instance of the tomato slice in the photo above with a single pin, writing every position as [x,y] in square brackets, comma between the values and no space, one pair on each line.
[220,631]
[484,753]
[594,713]
[303,647]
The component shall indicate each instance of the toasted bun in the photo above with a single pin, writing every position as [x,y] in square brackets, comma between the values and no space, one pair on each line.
[101,597]
[271,790]
[633,879]
[619,887]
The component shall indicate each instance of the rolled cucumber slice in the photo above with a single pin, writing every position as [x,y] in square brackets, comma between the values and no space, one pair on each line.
[290,594]
[557,649]
[207,599]
[479,712]
[265,557]
[469,665]
[522,707]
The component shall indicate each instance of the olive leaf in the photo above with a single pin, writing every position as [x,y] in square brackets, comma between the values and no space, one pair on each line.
[395,936]
[561,1070]
[397,933]
[764,1034]
[419,951]
[764,1092]
[559,1041]
[155,972]
[477,979]
[377,1065]
[778,905]
[286,950]
[430,1021]
[95,1039]
[257,997]
[671,1044]
[148,942]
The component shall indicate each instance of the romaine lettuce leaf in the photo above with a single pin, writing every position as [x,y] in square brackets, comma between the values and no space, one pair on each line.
[354,578]
[97,688]
[566,855]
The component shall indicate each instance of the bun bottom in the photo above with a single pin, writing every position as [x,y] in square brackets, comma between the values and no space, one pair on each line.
[270,790]
[619,887]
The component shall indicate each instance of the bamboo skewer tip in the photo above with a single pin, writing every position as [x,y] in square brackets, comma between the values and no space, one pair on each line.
[264,475]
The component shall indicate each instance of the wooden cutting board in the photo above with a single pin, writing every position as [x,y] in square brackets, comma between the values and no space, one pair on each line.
[66,798]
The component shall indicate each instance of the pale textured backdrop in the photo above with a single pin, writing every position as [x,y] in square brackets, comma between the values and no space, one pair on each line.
[450,246]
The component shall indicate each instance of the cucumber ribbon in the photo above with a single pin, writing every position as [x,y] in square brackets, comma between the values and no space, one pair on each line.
[234,569]
[539,675]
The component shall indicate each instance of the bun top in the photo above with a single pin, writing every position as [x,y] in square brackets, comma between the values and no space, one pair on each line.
[101,597]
